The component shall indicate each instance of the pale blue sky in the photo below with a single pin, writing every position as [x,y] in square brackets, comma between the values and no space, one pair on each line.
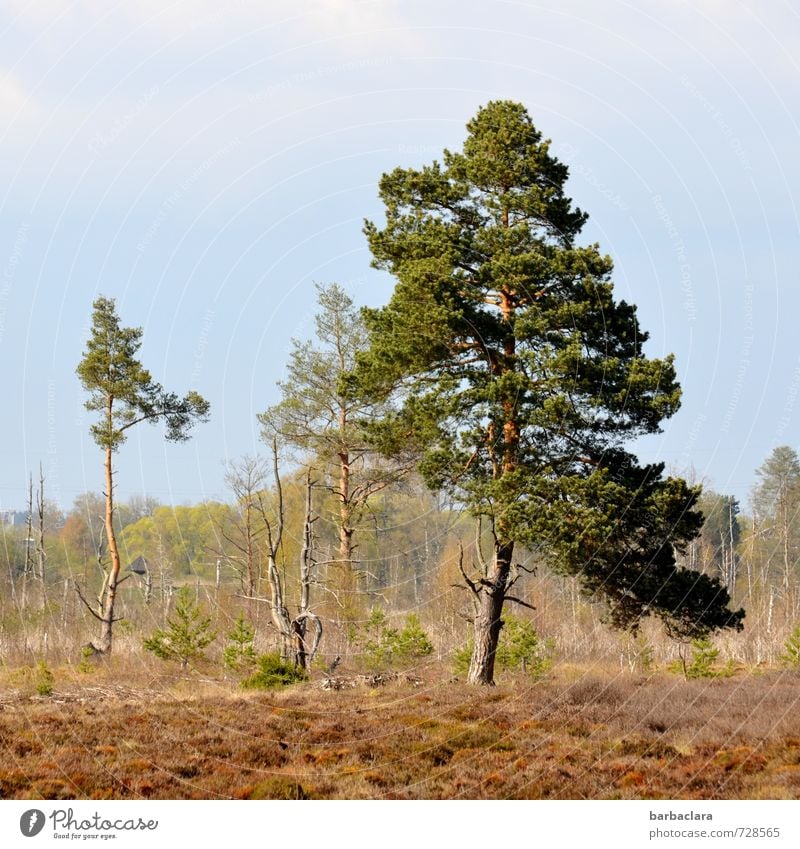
[205,163]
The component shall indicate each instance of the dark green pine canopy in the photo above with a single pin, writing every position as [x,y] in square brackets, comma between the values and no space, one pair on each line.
[520,377]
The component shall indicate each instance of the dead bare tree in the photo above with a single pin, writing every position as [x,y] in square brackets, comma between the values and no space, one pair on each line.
[28,570]
[34,568]
[278,609]
[244,531]
[40,552]
[293,632]
[304,653]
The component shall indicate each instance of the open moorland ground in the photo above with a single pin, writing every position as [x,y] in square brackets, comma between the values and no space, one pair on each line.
[579,734]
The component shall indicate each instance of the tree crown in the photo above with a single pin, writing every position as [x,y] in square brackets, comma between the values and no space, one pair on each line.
[521,376]
[122,390]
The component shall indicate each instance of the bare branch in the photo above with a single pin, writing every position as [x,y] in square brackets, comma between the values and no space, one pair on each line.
[279,492]
[86,603]
[519,601]
[252,598]
[478,552]
[298,627]
[471,584]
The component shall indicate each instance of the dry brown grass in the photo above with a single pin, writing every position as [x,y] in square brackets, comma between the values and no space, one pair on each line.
[582,734]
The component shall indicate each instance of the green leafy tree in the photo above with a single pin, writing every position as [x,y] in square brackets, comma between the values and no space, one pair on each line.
[124,394]
[187,634]
[181,537]
[520,378]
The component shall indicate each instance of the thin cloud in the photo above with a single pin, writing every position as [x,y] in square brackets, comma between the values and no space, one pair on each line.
[204,20]
[15,100]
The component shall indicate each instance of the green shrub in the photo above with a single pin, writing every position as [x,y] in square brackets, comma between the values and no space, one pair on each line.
[791,649]
[240,655]
[43,679]
[519,648]
[383,647]
[272,673]
[85,666]
[188,633]
[278,787]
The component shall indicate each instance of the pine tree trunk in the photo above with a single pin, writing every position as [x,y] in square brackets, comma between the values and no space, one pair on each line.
[347,583]
[488,621]
[107,622]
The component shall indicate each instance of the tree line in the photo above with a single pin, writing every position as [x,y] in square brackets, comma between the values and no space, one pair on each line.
[407,556]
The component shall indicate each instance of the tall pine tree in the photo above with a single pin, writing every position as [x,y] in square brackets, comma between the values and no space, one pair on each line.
[520,378]
[124,394]
[316,416]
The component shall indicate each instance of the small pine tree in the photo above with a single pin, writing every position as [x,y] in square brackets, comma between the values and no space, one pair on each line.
[791,649]
[272,673]
[461,657]
[519,648]
[189,632]
[411,642]
[704,661]
[44,679]
[240,655]
[382,646]
[373,629]
[704,656]
[369,639]
[85,666]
